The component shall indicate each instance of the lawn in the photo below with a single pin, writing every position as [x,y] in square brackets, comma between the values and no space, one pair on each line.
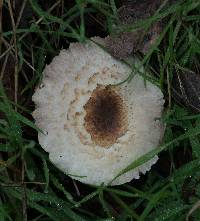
[32,32]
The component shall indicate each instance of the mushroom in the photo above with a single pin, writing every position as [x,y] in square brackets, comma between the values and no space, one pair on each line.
[95,126]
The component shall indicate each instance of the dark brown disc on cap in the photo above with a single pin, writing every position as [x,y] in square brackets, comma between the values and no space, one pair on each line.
[106,116]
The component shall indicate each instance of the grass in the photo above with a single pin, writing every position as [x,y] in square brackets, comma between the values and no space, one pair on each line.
[31,188]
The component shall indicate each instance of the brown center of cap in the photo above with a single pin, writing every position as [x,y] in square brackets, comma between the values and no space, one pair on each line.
[106,116]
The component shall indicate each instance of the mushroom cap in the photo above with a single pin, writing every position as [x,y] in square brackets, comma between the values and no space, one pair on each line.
[95,127]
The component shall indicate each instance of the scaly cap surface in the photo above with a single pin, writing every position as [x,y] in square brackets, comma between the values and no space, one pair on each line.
[94,129]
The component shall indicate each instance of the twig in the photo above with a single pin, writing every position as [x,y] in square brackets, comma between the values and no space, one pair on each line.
[40,19]
[20,13]
[76,188]
[11,47]
[24,198]
[169,90]
[20,184]
[16,51]
[195,207]
[1,7]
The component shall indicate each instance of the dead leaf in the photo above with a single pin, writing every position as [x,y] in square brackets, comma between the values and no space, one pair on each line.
[126,43]
[186,89]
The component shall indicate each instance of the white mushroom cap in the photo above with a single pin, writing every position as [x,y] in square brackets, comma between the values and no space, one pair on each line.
[95,129]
